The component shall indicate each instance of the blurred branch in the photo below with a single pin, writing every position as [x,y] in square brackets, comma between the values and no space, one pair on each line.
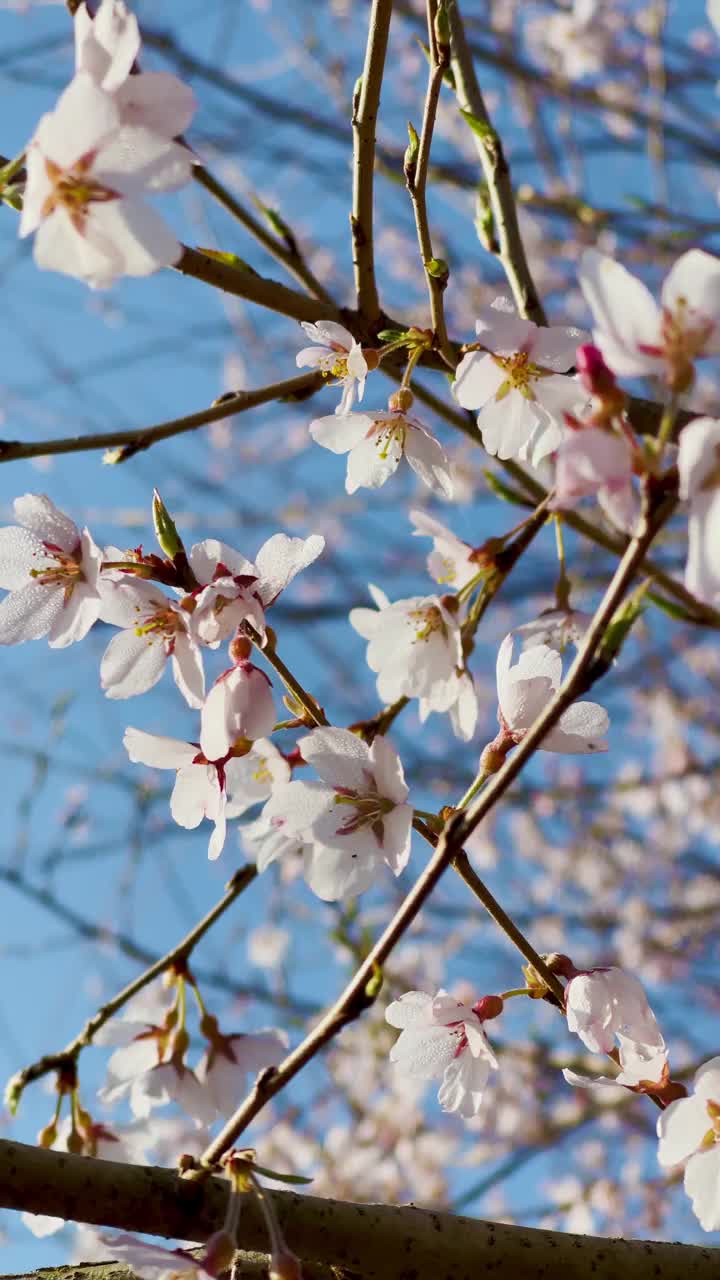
[379,1242]
[510,248]
[178,955]
[366,103]
[127,946]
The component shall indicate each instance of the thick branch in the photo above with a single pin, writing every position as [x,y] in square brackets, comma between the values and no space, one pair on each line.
[365,111]
[379,1242]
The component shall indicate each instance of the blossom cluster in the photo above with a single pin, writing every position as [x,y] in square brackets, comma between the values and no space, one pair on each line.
[110,141]
[548,397]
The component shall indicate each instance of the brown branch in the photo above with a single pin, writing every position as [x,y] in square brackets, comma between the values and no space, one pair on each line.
[377,1242]
[135,439]
[243,282]
[511,251]
[288,254]
[416,173]
[180,953]
[365,111]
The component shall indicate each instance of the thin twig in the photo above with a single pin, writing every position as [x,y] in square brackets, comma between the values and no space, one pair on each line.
[360,991]
[243,282]
[416,172]
[288,254]
[135,439]
[497,174]
[179,953]
[364,121]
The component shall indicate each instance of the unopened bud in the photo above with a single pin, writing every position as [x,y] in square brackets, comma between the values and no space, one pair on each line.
[489,1007]
[493,756]
[597,378]
[442,27]
[284,1266]
[240,649]
[209,1026]
[75,1143]
[219,1253]
[401,400]
[180,1043]
[166,533]
[48,1135]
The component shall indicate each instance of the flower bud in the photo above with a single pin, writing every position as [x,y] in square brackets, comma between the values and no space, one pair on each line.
[219,1253]
[240,649]
[401,400]
[75,1143]
[166,533]
[598,379]
[489,1007]
[48,1135]
[284,1266]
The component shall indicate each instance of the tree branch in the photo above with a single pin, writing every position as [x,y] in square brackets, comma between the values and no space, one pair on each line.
[511,251]
[288,253]
[378,1242]
[365,110]
[135,439]
[180,953]
[416,173]
[243,282]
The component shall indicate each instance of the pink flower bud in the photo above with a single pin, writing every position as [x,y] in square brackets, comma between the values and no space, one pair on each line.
[489,1007]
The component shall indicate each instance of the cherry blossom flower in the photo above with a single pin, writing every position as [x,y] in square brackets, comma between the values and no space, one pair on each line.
[603,1003]
[689,1133]
[639,338]
[699,471]
[255,775]
[643,1069]
[440,1037]
[525,689]
[375,443]
[155,628]
[86,175]
[229,1060]
[598,463]
[51,570]
[267,946]
[239,706]
[106,47]
[336,355]
[517,383]
[451,562]
[203,788]
[355,817]
[42,1224]
[415,646]
[155,1262]
[266,842]
[136,1072]
[556,628]
[236,590]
